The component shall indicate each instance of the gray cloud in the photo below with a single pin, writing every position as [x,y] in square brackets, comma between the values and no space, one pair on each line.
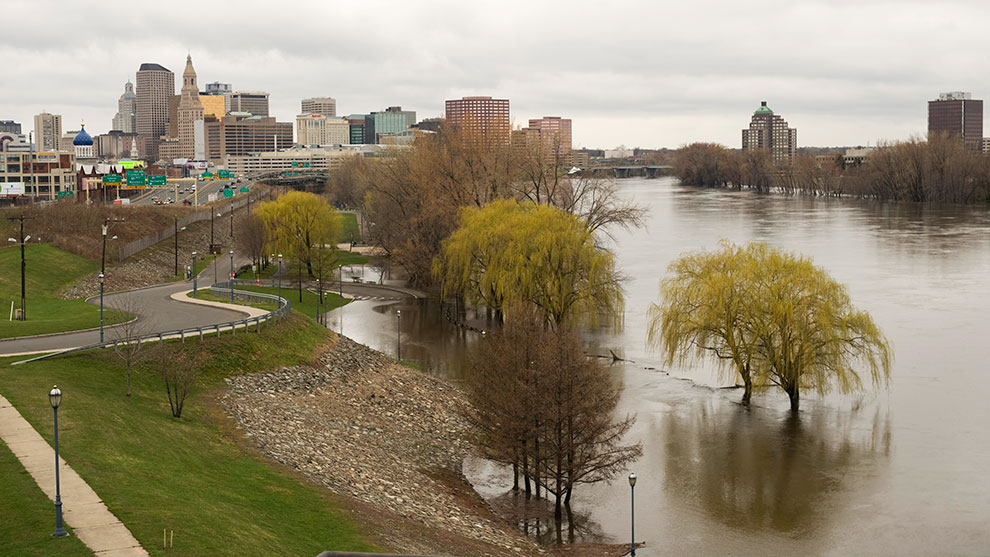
[639,73]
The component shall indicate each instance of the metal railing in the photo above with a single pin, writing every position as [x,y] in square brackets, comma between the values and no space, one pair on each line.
[219,290]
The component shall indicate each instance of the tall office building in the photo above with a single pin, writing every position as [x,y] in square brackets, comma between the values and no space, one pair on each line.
[254,103]
[554,134]
[47,132]
[155,86]
[480,116]
[124,120]
[240,136]
[769,131]
[9,126]
[957,114]
[320,105]
[189,111]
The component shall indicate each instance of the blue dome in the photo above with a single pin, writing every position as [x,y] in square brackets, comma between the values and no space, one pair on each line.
[82,138]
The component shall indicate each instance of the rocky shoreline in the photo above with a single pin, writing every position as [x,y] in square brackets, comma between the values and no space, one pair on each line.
[384,434]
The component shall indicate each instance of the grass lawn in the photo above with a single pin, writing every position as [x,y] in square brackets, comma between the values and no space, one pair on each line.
[308,305]
[344,258]
[349,227]
[47,271]
[191,475]
[29,516]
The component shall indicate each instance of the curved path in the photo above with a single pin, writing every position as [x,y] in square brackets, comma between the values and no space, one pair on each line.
[155,309]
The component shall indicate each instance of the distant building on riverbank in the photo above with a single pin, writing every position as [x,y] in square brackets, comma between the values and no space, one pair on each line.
[957,114]
[480,117]
[771,132]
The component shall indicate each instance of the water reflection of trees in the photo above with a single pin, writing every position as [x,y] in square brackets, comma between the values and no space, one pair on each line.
[534,518]
[755,471]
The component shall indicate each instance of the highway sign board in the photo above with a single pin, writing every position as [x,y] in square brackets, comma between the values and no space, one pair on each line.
[206,175]
[245,189]
[136,179]
[228,193]
[223,174]
[111,180]
[157,180]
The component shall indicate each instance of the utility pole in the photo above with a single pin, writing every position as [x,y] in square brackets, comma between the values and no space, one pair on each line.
[175,234]
[23,263]
[232,222]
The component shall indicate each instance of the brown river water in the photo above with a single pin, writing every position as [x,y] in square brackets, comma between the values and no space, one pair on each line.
[901,471]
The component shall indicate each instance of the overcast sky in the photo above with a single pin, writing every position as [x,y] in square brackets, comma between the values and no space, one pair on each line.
[647,74]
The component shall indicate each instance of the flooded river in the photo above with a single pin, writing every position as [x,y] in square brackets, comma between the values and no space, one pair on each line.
[899,471]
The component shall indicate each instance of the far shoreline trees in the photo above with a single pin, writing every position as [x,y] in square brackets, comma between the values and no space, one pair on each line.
[937,170]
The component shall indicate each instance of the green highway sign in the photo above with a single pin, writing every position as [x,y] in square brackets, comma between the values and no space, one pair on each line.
[295,163]
[66,193]
[157,180]
[111,180]
[223,174]
[304,164]
[245,189]
[228,193]
[135,179]
[206,175]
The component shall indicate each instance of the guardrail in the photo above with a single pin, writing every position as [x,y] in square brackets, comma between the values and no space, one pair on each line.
[218,289]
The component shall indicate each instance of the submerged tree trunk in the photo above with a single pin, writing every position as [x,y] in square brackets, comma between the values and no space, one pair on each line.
[747,390]
[795,395]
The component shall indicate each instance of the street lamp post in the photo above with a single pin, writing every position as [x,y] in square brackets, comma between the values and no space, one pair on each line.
[194,273]
[632,501]
[232,221]
[231,283]
[398,335]
[280,275]
[340,280]
[105,230]
[55,398]
[101,308]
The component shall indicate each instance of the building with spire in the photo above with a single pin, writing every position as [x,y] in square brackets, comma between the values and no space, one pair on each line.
[189,112]
[769,131]
[125,119]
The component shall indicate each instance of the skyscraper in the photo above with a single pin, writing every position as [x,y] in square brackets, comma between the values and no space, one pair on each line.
[957,114]
[392,120]
[189,112]
[47,131]
[155,85]
[769,131]
[480,116]
[124,120]
[320,105]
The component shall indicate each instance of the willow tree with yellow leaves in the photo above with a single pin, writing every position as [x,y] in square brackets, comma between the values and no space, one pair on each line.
[510,252]
[301,224]
[770,318]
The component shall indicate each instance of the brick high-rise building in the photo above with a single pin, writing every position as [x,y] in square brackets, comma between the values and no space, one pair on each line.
[189,112]
[155,86]
[554,134]
[769,131]
[239,136]
[47,131]
[480,117]
[320,105]
[957,114]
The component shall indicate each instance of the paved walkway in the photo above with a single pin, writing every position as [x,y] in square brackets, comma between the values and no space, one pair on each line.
[82,508]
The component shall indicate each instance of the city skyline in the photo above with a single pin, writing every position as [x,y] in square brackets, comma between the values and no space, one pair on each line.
[648,75]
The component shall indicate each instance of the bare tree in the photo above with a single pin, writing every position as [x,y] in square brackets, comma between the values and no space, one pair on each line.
[125,336]
[179,371]
[540,405]
[251,236]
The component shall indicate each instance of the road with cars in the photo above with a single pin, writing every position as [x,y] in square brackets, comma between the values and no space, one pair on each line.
[196,193]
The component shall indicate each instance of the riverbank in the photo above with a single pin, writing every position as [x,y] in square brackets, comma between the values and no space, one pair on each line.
[385,435]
